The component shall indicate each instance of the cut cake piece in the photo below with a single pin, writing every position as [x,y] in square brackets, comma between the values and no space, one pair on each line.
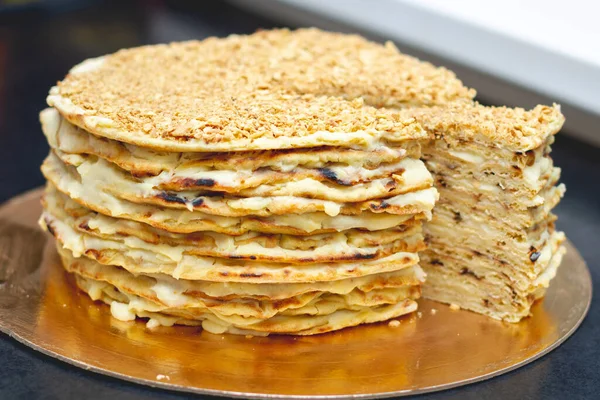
[492,245]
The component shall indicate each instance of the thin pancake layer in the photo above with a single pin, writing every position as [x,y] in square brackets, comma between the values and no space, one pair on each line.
[242,310]
[183,221]
[488,296]
[127,307]
[407,176]
[169,289]
[105,183]
[227,171]
[343,246]
[139,257]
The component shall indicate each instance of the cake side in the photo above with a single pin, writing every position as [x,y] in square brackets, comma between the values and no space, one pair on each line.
[492,244]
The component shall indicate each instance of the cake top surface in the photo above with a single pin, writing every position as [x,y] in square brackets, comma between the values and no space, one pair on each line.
[515,129]
[272,89]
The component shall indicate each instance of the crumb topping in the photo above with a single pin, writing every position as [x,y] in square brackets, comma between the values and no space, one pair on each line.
[271,84]
[513,128]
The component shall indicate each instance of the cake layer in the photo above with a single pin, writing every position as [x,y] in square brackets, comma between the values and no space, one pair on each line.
[481,190]
[489,297]
[482,267]
[183,221]
[270,90]
[169,289]
[488,237]
[127,307]
[403,177]
[485,209]
[330,247]
[507,179]
[69,180]
[242,310]
[229,172]
[497,129]
[138,256]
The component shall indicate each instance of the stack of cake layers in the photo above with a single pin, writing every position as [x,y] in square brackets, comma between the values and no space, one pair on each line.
[221,183]
[272,183]
[492,246]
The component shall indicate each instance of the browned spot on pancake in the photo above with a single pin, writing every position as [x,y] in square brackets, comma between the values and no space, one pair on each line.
[436,262]
[285,303]
[94,253]
[250,275]
[141,174]
[486,303]
[466,271]
[183,138]
[381,206]
[534,256]
[224,273]
[530,158]
[324,329]
[49,227]
[191,183]
[406,259]
[390,185]
[457,217]
[331,176]
[170,198]
[84,226]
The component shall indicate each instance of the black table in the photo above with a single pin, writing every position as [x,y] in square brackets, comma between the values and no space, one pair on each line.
[37,47]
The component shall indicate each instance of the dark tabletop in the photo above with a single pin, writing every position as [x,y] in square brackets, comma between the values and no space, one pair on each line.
[40,42]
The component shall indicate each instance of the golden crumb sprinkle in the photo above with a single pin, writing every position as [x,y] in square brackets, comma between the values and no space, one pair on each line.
[454,307]
[269,85]
[394,323]
[514,128]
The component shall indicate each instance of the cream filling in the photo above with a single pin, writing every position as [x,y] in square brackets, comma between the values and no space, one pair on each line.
[532,175]
[468,156]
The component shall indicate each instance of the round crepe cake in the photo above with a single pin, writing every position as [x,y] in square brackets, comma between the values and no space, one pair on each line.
[270,183]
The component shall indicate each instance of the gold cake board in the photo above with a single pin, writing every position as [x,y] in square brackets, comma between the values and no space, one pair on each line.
[434,349]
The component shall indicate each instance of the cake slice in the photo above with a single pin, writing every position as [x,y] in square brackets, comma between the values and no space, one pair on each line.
[492,245]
